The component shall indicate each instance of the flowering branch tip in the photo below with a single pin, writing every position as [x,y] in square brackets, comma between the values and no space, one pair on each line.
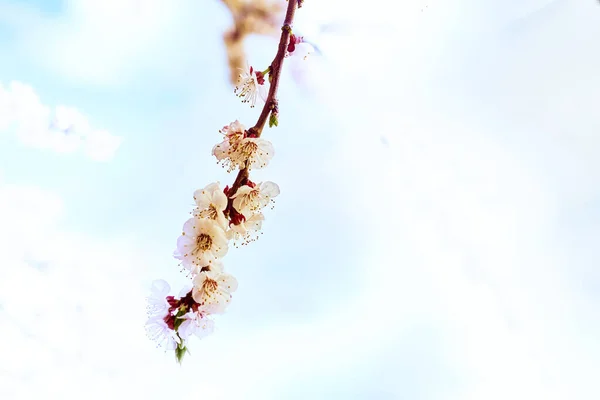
[222,216]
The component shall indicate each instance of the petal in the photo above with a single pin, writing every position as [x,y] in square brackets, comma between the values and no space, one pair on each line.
[185,290]
[222,221]
[186,329]
[236,126]
[220,150]
[190,227]
[197,295]
[270,189]
[266,147]
[219,200]
[263,92]
[199,279]
[218,234]
[220,251]
[208,226]
[228,282]
[160,288]
[242,191]
[212,187]
[205,328]
[156,320]
[303,50]
[217,266]
[217,302]
[238,204]
[185,244]
[231,234]
[254,223]
[203,258]
[202,199]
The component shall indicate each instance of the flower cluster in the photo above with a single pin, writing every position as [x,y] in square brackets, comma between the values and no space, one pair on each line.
[222,216]
[241,149]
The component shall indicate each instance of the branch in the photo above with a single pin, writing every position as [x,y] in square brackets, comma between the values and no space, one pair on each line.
[274,75]
[275,70]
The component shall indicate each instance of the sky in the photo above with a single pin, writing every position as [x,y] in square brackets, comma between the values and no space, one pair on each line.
[437,235]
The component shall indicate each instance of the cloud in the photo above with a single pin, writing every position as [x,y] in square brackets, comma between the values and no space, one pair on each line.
[106,42]
[71,304]
[466,172]
[65,130]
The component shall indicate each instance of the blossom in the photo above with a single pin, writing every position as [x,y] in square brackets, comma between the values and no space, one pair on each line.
[244,227]
[233,133]
[250,85]
[212,290]
[254,152]
[239,150]
[250,198]
[201,243]
[211,202]
[226,151]
[195,323]
[159,331]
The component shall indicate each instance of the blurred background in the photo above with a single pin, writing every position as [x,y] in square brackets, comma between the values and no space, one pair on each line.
[437,235]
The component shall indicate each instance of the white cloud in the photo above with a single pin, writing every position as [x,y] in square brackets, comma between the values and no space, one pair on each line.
[466,217]
[71,304]
[64,131]
[104,42]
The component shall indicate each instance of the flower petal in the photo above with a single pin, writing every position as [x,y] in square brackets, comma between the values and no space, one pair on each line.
[190,227]
[270,189]
[205,328]
[228,282]
[160,288]
[219,200]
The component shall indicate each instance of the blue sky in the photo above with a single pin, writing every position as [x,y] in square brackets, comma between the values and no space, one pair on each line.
[437,235]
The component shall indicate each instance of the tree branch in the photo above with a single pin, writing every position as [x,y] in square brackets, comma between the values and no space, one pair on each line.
[274,75]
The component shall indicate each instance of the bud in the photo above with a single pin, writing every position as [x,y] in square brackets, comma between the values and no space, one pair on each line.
[294,40]
[180,351]
[273,119]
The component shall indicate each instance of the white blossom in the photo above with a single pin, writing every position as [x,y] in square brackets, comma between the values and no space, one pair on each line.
[239,150]
[201,243]
[249,199]
[251,85]
[212,290]
[196,323]
[243,231]
[211,202]
[232,133]
[159,331]
[254,153]
[226,151]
